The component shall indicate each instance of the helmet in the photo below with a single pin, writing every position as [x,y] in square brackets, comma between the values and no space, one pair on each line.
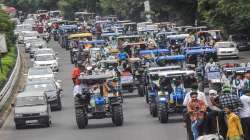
[226,89]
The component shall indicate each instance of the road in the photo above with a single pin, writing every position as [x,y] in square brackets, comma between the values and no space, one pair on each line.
[138,124]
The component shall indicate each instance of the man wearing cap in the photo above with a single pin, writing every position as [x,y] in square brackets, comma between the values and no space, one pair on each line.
[214,112]
[229,99]
[245,114]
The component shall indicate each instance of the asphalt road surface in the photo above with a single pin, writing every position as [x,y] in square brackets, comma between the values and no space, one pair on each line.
[138,124]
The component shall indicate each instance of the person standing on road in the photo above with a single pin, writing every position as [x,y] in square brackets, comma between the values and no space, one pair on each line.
[245,113]
[75,73]
[196,109]
[234,131]
[201,96]
[228,99]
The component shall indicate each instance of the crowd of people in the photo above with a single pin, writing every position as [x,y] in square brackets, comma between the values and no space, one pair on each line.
[225,113]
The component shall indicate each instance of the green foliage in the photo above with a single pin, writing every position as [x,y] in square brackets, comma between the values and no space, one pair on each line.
[8,59]
[8,63]
[231,16]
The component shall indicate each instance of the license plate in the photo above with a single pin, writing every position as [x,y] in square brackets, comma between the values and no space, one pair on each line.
[31,121]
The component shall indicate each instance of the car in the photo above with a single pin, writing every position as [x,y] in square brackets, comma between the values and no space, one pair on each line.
[31,107]
[46,60]
[35,46]
[242,41]
[25,35]
[22,27]
[226,49]
[40,72]
[51,89]
[45,51]
[33,42]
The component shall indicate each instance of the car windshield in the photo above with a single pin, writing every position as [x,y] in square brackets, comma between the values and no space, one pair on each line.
[33,40]
[30,34]
[24,28]
[44,52]
[45,57]
[225,45]
[39,71]
[30,101]
[41,86]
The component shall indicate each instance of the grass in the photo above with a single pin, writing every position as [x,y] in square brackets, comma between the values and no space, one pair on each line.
[8,62]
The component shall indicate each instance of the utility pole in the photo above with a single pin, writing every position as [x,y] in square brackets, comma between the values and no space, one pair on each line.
[147,10]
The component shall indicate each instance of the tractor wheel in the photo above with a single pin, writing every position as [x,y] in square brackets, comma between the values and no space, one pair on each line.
[130,89]
[117,117]
[81,118]
[153,109]
[141,91]
[163,113]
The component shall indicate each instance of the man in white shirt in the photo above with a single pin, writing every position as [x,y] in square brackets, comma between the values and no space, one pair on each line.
[77,90]
[201,96]
[245,114]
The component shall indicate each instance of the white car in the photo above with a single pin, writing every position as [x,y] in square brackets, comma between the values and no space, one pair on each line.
[22,27]
[33,42]
[35,46]
[227,49]
[39,73]
[46,60]
[45,51]
[25,35]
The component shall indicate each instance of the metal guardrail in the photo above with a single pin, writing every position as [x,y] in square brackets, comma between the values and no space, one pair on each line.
[8,88]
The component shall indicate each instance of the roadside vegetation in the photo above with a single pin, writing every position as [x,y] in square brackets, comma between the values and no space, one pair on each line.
[8,60]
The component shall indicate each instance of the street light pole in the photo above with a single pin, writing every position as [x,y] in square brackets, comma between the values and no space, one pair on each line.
[147,10]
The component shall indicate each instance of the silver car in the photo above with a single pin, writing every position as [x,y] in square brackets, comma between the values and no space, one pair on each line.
[31,108]
[51,89]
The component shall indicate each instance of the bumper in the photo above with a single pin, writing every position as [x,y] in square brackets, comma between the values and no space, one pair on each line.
[227,56]
[54,104]
[39,120]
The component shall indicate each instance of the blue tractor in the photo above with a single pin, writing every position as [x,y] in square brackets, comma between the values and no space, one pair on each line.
[92,103]
[167,92]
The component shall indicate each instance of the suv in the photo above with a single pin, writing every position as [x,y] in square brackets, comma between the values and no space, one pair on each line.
[31,107]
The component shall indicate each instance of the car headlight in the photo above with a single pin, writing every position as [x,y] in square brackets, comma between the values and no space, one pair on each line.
[36,65]
[17,115]
[44,113]
[163,99]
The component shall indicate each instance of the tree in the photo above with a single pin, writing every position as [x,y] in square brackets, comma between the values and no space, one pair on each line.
[230,16]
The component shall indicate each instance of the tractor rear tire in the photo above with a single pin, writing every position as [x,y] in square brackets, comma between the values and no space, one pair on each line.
[117,117]
[163,113]
[81,118]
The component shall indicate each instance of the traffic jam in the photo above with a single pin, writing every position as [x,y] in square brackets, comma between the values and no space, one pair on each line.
[176,70]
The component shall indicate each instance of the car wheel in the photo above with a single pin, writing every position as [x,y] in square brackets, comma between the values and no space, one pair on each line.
[18,126]
[48,123]
[59,107]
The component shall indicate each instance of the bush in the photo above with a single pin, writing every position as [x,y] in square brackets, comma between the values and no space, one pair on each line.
[9,59]
[8,63]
